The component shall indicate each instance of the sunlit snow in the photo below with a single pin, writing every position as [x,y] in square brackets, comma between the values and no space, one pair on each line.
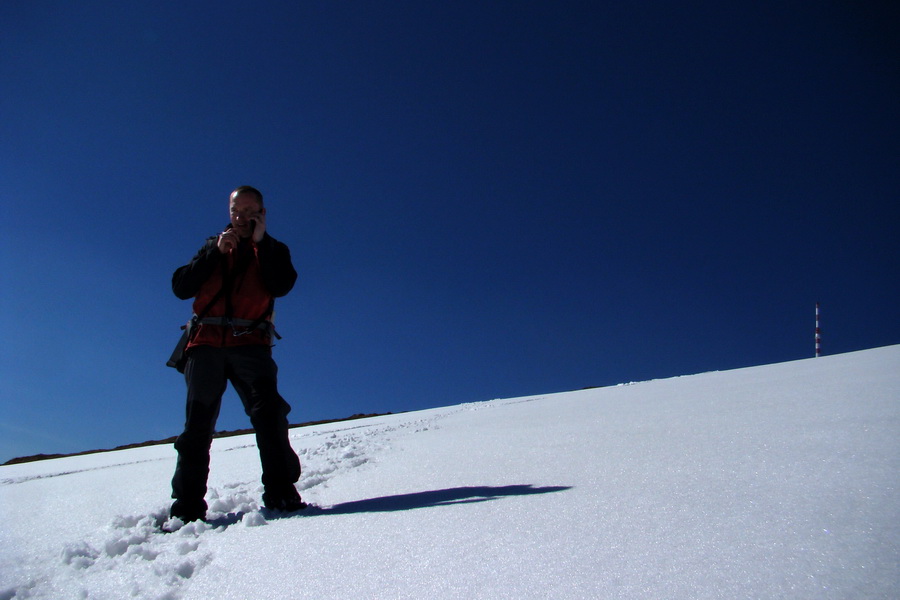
[770,482]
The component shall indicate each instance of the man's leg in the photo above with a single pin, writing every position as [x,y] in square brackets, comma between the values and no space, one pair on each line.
[253,374]
[206,381]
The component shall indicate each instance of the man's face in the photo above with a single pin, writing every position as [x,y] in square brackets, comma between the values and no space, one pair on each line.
[244,208]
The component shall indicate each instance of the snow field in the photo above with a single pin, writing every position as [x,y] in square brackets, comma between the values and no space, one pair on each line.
[770,482]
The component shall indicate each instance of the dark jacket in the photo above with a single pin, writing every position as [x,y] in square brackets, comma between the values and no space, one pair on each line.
[252,276]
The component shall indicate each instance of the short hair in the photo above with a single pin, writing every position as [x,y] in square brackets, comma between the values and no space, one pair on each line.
[247,189]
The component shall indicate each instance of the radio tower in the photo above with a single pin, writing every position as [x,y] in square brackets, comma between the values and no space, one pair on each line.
[818,333]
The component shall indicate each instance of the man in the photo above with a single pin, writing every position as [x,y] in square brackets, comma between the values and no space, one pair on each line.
[234,280]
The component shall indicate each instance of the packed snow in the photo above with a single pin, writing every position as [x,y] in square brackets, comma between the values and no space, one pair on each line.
[769,482]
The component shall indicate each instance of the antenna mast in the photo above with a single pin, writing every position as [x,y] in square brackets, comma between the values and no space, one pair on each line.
[818,333]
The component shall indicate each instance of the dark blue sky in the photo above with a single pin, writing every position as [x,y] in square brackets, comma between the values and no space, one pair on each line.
[483,199]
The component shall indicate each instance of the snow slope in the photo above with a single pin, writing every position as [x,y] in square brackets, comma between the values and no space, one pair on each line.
[769,482]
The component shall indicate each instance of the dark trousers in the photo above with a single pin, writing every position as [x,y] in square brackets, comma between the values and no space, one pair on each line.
[253,374]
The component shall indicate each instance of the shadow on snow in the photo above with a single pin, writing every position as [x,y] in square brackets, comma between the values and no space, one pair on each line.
[400,502]
[447,497]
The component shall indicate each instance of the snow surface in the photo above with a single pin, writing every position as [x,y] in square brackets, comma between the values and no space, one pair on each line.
[768,482]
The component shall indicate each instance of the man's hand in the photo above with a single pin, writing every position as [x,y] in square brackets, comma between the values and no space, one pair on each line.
[228,241]
[259,229]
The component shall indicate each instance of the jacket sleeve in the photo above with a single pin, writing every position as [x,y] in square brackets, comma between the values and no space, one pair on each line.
[275,266]
[187,280]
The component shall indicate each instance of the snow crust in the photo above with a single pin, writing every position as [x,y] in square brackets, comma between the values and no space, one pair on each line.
[768,482]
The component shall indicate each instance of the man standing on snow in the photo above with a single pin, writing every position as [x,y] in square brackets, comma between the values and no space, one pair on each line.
[234,280]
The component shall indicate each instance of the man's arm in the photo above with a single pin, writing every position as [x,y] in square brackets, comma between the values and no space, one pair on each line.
[275,266]
[186,280]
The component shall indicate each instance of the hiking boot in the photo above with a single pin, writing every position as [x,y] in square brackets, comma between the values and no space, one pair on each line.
[188,511]
[285,500]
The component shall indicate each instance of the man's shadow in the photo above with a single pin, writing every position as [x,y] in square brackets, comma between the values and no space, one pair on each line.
[399,502]
[447,497]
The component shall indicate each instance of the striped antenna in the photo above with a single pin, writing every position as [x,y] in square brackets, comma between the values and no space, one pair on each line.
[818,333]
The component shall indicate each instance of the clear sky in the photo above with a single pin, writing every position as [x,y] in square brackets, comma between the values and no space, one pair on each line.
[483,199]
